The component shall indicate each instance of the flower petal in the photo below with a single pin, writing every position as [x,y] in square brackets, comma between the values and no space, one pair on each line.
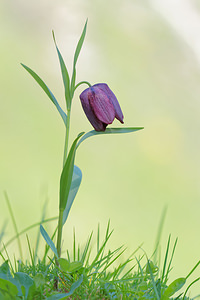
[118,112]
[96,123]
[101,105]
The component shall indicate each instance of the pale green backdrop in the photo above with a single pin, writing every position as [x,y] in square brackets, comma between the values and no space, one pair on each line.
[128,179]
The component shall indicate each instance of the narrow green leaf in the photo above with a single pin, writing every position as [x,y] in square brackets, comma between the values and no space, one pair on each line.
[63,296]
[190,273]
[65,75]
[76,181]
[86,251]
[109,131]
[48,92]
[189,286]
[38,233]
[165,260]
[2,231]
[80,43]
[14,224]
[100,253]
[27,229]
[173,288]
[30,251]
[76,55]
[159,233]
[170,262]
[48,240]
[67,173]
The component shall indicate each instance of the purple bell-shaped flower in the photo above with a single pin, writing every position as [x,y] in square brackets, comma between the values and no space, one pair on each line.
[100,106]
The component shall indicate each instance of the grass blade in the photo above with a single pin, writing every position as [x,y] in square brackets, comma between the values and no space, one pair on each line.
[160,229]
[170,262]
[189,286]
[74,246]
[30,251]
[2,232]
[27,229]
[39,235]
[85,251]
[14,224]
[193,269]
[165,260]
[8,258]
[101,250]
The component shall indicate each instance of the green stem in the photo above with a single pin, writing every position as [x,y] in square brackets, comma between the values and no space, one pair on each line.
[82,82]
[61,211]
[59,237]
[66,137]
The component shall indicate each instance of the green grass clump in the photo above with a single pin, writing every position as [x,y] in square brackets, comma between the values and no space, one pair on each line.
[91,274]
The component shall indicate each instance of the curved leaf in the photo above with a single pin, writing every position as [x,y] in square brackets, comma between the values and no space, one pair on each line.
[173,288]
[76,181]
[48,240]
[67,173]
[109,131]
[48,92]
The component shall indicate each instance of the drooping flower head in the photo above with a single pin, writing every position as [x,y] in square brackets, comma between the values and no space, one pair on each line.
[100,106]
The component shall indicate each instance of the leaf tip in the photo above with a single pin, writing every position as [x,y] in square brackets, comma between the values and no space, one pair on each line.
[85,27]
[53,34]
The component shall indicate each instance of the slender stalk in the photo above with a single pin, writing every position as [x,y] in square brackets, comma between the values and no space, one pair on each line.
[59,237]
[66,136]
[82,82]
[61,211]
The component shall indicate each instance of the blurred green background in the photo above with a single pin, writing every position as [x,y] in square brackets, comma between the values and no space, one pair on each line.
[128,178]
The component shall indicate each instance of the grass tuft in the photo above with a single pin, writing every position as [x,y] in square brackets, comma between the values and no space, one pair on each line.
[92,273]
